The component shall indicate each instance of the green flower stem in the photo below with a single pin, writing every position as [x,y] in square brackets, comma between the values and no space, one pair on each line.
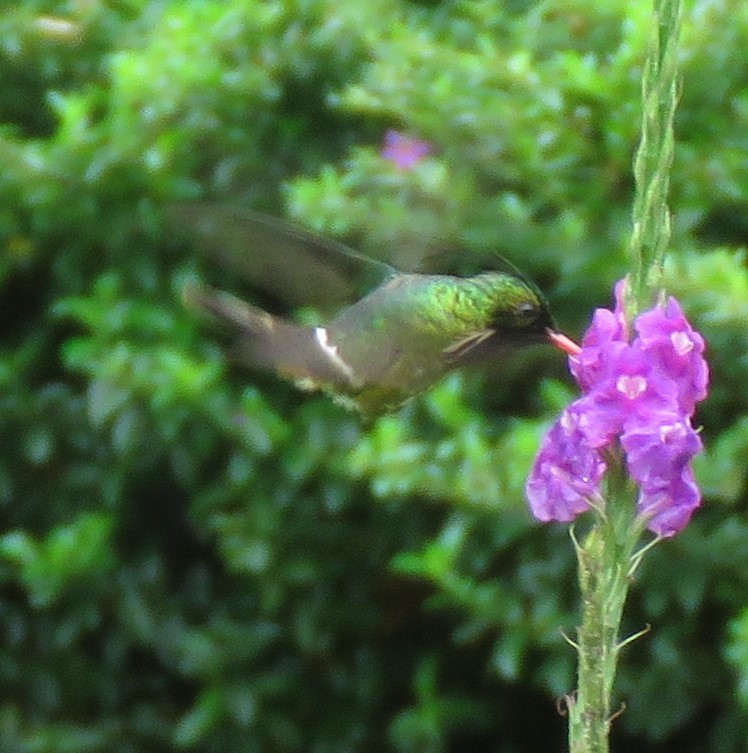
[605,560]
[606,556]
[651,216]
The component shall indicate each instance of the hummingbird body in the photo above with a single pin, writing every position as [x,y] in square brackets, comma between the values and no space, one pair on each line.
[388,345]
[406,334]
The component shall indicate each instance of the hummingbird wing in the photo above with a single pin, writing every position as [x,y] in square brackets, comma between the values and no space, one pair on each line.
[299,267]
[460,350]
[463,262]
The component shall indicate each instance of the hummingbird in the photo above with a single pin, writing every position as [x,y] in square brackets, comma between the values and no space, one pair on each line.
[393,333]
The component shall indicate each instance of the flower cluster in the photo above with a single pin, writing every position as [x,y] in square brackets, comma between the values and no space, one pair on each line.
[404,151]
[640,392]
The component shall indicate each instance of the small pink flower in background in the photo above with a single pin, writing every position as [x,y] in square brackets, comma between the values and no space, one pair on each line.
[405,152]
[641,393]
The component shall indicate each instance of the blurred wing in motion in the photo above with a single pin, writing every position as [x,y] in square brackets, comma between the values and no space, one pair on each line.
[298,267]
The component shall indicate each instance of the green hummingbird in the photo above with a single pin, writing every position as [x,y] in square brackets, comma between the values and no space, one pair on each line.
[394,333]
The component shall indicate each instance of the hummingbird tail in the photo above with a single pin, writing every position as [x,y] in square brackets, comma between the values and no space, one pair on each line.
[269,342]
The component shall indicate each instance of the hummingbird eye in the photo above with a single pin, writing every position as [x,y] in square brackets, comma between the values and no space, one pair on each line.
[527,312]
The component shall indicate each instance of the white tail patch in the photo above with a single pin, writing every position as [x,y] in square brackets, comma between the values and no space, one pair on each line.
[321,335]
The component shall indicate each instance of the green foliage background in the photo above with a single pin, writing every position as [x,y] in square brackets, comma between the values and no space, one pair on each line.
[201,559]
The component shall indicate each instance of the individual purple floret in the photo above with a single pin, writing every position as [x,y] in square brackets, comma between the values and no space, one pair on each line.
[670,506]
[405,152]
[639,394]
[567,472]
[677,349]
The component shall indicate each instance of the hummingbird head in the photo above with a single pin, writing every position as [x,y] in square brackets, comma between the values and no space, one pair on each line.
[522,316]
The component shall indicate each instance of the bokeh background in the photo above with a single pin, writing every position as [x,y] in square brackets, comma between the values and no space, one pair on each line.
[198,558]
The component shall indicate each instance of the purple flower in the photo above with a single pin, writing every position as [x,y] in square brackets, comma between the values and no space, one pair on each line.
[669,507]
[405,152]
[655,457]
[640,394]
[677,350]
[567,472]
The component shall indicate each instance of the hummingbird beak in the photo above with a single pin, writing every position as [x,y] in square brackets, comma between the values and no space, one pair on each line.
[562,342]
